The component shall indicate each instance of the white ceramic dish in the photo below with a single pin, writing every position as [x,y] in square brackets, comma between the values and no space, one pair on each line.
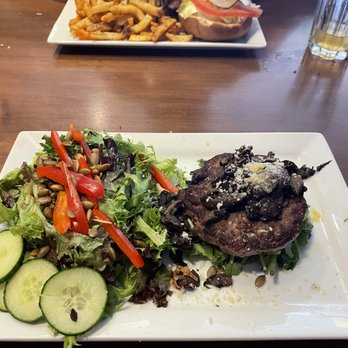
[310,302]
[60,34]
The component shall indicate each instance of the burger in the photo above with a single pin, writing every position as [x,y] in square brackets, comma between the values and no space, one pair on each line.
[249,206]
[217,20]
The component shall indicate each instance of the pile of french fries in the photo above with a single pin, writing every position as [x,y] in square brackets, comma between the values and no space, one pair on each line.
[133,20]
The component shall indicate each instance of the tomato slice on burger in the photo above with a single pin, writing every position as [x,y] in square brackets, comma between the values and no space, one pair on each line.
[237,10]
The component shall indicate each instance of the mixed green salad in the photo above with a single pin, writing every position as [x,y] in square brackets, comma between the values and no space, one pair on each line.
[81,232]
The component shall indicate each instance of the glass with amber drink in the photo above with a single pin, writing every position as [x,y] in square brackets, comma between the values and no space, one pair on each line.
[329,35]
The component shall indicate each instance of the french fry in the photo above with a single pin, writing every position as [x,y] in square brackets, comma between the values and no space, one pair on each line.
[127,9]
[103,27]
[81,34]
[144,36]
[179,37]
[147,8]
[109,17]
[130,21]
[98,35]
[166,24]
[87,8]
[142,25]
[89,26]
[73,22]
[82,23]
[79,8]
[100,8]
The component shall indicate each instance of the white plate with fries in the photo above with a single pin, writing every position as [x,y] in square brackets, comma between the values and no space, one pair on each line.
[61,35]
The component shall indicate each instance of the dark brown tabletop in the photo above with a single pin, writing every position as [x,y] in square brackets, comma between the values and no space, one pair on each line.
[279,88]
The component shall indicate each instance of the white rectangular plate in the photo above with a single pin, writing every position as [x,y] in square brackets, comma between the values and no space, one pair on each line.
[60,34]
[310,302]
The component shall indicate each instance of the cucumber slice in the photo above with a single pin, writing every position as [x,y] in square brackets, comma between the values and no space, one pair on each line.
[22,291]
[12,250]
[73,300]
[2,302]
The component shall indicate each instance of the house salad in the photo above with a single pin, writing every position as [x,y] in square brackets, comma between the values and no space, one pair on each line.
[85,227]
[85,207]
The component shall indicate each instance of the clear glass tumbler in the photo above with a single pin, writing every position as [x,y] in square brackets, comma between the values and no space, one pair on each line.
[329,34]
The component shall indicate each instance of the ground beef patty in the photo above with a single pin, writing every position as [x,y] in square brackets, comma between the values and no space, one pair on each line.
[235,234]
[243,203]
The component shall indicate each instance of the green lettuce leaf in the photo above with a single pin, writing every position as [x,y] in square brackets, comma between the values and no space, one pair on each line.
[7,214]
[156,233]
[12,179]
[81,250]
[31,222]
[187,9]
[127,282]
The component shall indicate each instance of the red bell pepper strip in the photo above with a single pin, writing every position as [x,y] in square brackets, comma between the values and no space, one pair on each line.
[84,184]
[80,138]
[83,164]
[75,201]
[86,149]
[163,180]
[61,220]
[119,238]
[59,147]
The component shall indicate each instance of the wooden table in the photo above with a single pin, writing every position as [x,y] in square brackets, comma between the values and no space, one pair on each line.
[276,89]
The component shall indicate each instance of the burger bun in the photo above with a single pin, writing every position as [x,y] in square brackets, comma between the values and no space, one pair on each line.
[210,30]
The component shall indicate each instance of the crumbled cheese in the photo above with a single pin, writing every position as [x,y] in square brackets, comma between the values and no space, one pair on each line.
[190,223]
[255,167]
[260,175]
[184,234]
[219,205]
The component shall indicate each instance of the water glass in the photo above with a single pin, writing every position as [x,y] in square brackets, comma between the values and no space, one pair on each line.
[329,34]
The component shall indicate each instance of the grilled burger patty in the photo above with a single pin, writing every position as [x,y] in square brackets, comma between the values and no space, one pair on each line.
[238,236]
[243,203]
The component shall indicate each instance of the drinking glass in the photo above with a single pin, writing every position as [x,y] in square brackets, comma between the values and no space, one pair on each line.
[329,34]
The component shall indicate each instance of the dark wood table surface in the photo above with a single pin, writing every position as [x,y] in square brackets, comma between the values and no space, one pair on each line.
[276,89]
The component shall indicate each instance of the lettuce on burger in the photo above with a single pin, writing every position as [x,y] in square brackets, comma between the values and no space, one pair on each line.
[217,20]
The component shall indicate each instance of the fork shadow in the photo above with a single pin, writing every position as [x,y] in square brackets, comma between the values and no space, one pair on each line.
[317,81]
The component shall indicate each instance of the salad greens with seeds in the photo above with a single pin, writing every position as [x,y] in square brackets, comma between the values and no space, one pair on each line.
[91,202]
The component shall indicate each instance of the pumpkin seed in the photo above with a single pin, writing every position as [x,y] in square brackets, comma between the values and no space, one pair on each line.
[212,270]
[103,167]
[43,192]
[95,156]
[44,200]
[260,281]
[71,214]
[48,213]
[43,251]
[57,187]
[87,205]
[84,171]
